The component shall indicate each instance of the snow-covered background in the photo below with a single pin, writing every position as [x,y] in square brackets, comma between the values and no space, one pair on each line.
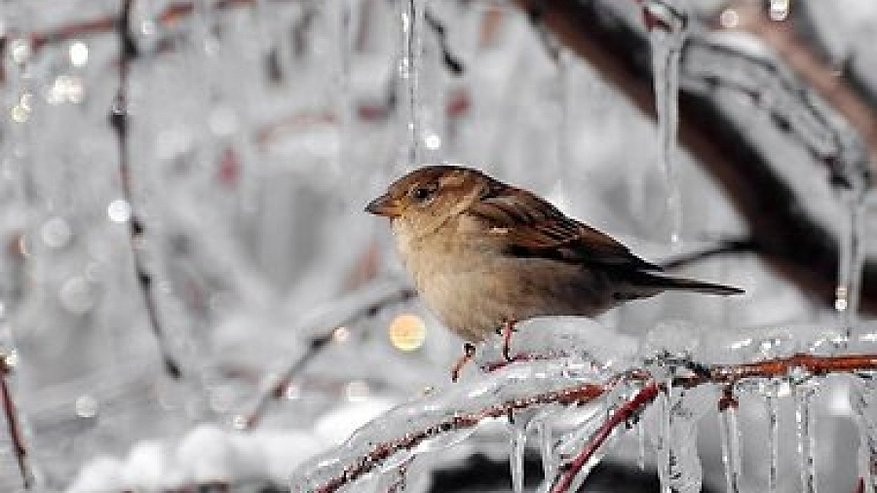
[256,132]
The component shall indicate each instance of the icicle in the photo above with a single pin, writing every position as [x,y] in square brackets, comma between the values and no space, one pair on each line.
[399,478]
[772,406]
[517,445]
[679,466]
[850,263]
[641,445]
[411,22]
[863,399]
[662,448]
[667,23]
[342,14]
[730,436]
[546,447]
[564,120]
[805,419]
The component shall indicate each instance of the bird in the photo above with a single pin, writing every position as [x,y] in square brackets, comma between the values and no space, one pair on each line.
[485,255]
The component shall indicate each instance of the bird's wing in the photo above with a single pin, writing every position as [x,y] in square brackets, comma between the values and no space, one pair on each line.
[532,227]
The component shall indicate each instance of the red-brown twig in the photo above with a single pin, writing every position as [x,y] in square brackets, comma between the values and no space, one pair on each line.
[588,392]
[579,394]
[569,471]
[13,426]
[814,365]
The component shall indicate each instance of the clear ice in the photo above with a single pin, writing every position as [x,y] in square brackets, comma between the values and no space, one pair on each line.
[667,34]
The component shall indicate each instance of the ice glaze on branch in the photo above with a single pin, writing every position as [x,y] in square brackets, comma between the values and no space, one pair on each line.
[569,470]
[119,121]
[581,393]
[797,243]
[13,425]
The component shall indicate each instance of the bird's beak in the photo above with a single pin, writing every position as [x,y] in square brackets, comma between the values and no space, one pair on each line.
[384,206]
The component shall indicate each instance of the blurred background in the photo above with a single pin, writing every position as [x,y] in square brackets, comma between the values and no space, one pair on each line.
[191,294]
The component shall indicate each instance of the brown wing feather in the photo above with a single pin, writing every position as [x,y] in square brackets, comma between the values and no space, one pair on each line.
[535,228]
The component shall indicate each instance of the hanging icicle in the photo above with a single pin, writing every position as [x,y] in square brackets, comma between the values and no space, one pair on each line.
[729,431]
[805,420]
[517,446]
[863,400]
[411,23]
[546,447]
[851,261]
[771,404]
[667,21]
[679,467]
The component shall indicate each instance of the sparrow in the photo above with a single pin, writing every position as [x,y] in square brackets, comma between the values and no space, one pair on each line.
[484,255]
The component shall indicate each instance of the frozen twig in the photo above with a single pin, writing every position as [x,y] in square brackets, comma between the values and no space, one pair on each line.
[579,394]
[585,392]
[368,306]
[722,247]
[569,470]
[119,122]
[13,426]
[102,25]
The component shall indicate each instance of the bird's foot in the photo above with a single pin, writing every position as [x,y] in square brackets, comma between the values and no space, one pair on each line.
[468,354]
[507,329]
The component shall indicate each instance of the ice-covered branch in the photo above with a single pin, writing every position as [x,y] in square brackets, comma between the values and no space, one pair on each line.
[119,121]
[783,39]
[537,385]
[716,125]
[16,437]
[103,25]
[570,470]
[380,452]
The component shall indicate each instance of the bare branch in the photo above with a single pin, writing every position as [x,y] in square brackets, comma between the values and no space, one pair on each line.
[119,122]
[569,470]
[798,244]
[13,426]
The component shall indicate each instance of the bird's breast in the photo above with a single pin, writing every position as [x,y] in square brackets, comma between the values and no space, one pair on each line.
[473,288]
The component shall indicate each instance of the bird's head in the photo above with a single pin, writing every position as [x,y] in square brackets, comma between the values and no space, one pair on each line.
[428,197]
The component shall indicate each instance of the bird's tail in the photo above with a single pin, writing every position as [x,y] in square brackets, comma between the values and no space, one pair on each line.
[683,284]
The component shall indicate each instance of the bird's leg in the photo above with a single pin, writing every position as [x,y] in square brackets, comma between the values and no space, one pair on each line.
[468,353]
[508,327]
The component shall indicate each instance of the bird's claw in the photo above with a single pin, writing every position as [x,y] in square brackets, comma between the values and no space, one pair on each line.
[468,354]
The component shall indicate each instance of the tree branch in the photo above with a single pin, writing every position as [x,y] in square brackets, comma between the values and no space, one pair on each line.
[798,244]
[13,426]
[695,374]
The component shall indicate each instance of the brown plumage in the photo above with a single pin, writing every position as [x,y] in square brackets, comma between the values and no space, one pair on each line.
[484,254]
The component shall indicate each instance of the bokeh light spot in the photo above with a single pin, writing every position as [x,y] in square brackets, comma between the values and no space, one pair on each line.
[407,332]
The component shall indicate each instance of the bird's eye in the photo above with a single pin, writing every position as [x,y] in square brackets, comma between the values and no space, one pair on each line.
[423,193]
